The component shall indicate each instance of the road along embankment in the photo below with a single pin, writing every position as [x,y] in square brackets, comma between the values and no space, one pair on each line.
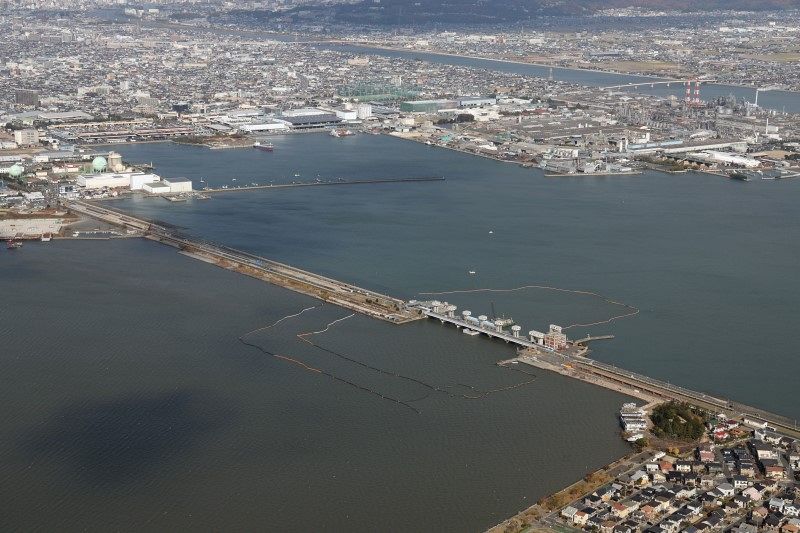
[650,389]
[337,292]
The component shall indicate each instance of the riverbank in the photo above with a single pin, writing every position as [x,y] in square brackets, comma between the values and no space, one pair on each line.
[533,518]
[575,68]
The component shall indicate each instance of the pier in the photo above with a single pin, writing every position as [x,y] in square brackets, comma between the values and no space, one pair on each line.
[589,338]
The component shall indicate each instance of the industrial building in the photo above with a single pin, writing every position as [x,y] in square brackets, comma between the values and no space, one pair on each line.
[113,180]
[555,339]
[309,118]
[27,137]
[140,179]
[104,179]
[26,97]
[178,184]
[157,187]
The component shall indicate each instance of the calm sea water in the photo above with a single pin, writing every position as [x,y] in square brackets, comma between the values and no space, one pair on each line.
[710,262]
[129,404]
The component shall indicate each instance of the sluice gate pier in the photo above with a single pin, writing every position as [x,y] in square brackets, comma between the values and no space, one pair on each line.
[343,294]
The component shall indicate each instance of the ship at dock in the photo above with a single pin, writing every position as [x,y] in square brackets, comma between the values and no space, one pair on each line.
[341,132]
[264,147]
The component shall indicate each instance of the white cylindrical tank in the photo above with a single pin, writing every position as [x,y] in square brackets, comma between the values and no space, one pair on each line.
[515,331]
[466,314]
[483,318]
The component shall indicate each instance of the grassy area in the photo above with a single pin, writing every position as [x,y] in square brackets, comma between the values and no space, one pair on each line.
[778,57]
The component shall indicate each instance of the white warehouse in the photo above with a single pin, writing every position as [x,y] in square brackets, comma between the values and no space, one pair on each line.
[179,184]
[158,187]
[105,179]
[113,180]
[138,179]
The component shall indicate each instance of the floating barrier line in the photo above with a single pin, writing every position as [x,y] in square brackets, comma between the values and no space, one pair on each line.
[280,320]
[302,335]
[634,310]
[328,374]
[405,403]
[435,388]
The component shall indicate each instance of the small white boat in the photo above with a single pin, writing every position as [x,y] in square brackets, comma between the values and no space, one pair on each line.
[471,272]
[470,332]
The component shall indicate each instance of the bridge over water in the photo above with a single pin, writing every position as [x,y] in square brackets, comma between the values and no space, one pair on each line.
[654,83]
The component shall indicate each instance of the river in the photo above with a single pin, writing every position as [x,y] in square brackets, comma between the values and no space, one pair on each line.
[778,100]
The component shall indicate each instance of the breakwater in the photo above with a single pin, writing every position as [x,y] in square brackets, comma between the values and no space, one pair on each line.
[327,289]
[322,184]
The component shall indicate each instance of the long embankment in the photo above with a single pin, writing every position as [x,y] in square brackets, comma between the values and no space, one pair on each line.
[343,294]
[648,388]
[323,184]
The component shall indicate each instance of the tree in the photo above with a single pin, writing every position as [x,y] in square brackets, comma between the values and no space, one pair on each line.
[677,420]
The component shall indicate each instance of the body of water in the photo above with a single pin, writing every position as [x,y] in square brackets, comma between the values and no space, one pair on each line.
[129,404]
[709,262]
[778,100]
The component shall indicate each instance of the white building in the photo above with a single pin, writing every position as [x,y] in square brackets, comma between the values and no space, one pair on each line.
[363,111]
[29,137]
[133,180]
[158,187]
[265,126]
[346,114]
[104,179]
[179,184]
[138,180]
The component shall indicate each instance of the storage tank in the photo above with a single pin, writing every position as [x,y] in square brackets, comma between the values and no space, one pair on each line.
[487,324]
[515,331]
[483,318]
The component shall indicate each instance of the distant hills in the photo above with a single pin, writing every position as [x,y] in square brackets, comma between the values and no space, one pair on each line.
[393,12]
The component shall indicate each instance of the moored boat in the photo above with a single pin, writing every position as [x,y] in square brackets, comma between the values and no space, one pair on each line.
[264,147]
